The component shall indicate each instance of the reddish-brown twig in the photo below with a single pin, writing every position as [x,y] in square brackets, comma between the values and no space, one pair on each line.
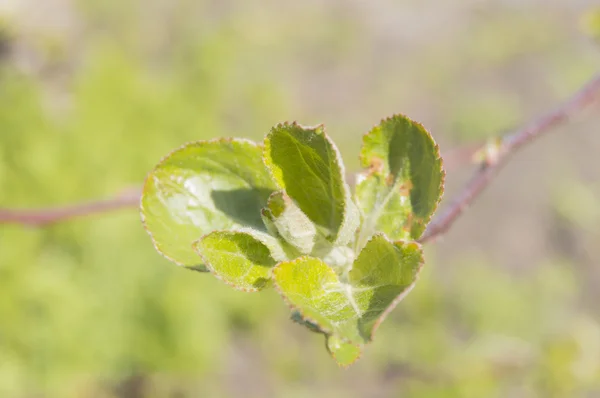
[131,198]
[499,153]
[39,217]
[497,156]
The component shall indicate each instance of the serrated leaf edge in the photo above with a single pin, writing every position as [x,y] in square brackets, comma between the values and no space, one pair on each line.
[402,295]
[324,331]
[319,129]
[162,161]
[361,349]
[217,275]
[388,309]
[366,172]
[291,306]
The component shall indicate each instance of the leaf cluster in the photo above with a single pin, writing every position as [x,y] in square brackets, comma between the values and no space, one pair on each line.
[280,214]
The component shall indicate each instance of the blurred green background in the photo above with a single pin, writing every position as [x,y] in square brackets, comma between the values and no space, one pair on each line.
[93,93]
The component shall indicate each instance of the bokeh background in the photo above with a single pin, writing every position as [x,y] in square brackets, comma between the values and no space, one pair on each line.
[93,93]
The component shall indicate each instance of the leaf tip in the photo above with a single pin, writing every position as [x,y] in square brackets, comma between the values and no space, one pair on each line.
[344,354]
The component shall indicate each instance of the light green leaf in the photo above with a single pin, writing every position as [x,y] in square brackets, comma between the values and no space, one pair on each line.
[345,354]
[203,187]
[289,222]
[307,165]
[404,182]
[238,258]
[352,306]
[275,246]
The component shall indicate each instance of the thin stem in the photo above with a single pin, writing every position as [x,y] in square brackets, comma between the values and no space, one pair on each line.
[508,145]
[40,217]
[131,198]
[464,155]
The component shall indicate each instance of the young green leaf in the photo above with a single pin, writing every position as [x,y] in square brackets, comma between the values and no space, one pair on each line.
[203,187]
[345,354]
[289,222]
[307,165]
[404,182]
[351,308]
[241,259]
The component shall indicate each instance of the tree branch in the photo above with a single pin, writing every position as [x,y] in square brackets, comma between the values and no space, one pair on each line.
[495,155]
[39,217]
[131,198]
[498,153]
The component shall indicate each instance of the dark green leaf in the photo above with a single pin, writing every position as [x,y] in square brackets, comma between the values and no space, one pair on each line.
[404,182]
[307,165]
